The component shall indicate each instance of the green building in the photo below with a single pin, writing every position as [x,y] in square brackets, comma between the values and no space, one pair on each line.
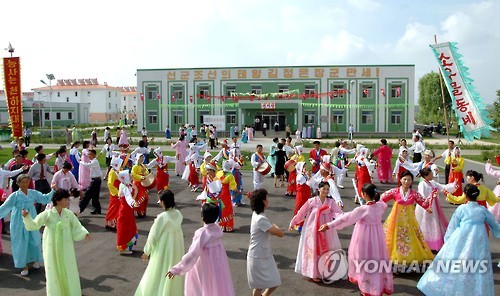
[373,98]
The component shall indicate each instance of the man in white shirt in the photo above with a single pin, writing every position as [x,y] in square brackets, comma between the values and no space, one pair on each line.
[351,131]
[446,153]
[418,148]
[92,192]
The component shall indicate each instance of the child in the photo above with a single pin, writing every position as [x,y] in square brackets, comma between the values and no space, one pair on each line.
[205,264]
[262,272]
[467,241]
[165,246]
[367,242]
[316,211]
[61,229]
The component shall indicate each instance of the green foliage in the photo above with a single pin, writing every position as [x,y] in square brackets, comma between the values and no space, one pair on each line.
[495,112]
[430,100]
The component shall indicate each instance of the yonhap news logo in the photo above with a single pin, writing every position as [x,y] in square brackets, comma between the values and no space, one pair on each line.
[333,266]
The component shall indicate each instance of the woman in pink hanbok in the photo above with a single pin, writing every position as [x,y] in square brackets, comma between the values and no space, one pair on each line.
[367,243]
[123,137]
[205,264]
[313,244]
[495,210]
[433,225]
[181,153]
[384,155]
[83,171]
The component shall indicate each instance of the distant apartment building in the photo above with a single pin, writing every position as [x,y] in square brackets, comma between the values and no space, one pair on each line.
[128,103]
[99,103]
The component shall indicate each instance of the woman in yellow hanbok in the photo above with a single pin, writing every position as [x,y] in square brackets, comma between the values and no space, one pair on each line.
[226,177]
[139,172]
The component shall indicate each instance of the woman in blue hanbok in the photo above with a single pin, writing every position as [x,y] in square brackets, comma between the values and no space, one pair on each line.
[270,158]
[466,245]
[26,245]
[244,136]
[75,156]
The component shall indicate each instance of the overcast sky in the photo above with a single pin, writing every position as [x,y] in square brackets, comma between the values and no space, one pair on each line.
[110,40]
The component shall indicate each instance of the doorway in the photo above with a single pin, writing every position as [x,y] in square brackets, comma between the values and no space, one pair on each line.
[270,118]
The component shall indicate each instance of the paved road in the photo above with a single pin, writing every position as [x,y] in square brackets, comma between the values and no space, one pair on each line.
[104,272]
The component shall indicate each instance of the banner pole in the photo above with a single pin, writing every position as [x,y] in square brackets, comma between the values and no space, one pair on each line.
[444,101]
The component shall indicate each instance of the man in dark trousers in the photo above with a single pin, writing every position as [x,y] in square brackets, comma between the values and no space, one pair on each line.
[92,192]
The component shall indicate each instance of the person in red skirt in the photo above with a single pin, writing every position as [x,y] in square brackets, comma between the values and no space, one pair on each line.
[398,168]
[226,177]
[161,163]
[126,228]
[363,173]
[303,181]
[139,172]
[291,189]
[113,186]
[194,177]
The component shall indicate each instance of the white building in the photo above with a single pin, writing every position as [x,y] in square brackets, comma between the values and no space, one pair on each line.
[104,100]
[128,103]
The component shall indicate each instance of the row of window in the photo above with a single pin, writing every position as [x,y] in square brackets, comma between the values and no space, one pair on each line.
[338,91]
[88,94]
[58,115]
[367,117]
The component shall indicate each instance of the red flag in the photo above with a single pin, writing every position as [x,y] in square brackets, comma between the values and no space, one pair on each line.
[398,92]
[382,91]
[142,97]
[173,98]
[191,99]
[365,91]
[158,96]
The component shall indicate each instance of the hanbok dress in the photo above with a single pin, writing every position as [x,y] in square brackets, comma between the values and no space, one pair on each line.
[244,136]
[433,225]
[84,172]
[142,198]
[126,228]
[466,239]
[165,247]
[456,174]
[123,138]
[399,169]
[404,238]
[291,189]
[205,265]
[271,158]
[495,210]
[368,242]
[250,133]
[162,176]
[226,221]
[26,245]
[181,153]
[74,155]
[61,271]
[114,201]
[384,170]
[313,244]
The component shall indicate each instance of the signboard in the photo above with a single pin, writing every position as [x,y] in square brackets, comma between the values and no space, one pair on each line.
[12,75]
[219,121]
[268,106]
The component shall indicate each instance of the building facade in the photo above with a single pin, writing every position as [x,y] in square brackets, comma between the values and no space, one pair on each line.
[38,112]
[104,100]
[128,103]
[373,98]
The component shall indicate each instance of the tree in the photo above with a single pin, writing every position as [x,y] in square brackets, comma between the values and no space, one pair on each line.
[430,100]
[495,112]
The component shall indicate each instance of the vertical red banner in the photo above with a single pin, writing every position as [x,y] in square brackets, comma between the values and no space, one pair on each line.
[12,75]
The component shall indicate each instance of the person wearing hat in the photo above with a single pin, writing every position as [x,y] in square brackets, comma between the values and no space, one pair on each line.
[226,177]
[161,162]
[126,157]
[113,187]
[326,174]
[224,152]
[363,173]
[139,173]
[304,182]
[126,228]
[207,159]
[315,156]
[192,170]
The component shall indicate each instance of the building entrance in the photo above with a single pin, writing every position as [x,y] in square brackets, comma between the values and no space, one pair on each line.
[270,118]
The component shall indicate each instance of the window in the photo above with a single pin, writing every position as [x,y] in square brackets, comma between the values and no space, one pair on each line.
[179,93]
[109,94]
[58,94]
[58,115]
[67,99]
[109,105]
[338,117]
[367,117]
[367,91]
[204,91]
[124,98]
[231,117]
[256,89]
[396,117]
[76,94]
[70,115]
[230,90]
[310,117]
[178,116]
[203,113]
[88,94]
[47,116]
[151,92]
[338,91]
[396,91]
[282,88]
[310,90]
[152,117]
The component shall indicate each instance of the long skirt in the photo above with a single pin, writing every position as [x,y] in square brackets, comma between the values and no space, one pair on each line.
[113,211]
[126,229]
[142,199]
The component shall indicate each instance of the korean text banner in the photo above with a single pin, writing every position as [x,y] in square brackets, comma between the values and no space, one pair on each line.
[12,75]
[466,102]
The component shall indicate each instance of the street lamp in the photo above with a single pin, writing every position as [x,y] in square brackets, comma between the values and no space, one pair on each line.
[50,77]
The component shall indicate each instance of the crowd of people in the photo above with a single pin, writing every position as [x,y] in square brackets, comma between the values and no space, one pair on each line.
[415,230]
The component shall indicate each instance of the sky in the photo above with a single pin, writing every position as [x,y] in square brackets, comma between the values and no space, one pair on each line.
[110,40]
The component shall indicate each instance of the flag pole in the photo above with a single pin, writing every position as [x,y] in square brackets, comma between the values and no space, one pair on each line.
[442,96]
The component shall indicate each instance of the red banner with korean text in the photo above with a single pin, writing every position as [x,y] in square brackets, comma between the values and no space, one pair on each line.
[12,78]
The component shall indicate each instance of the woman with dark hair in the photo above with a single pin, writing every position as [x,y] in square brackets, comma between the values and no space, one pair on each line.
[262,272]
[367,243]
[64,179]
[433,224]
[205,264]
[61,158]
[61,229]
[486,196]
[26,245]
[404,239]
[181,153]
[312,245]
[384,155]
[456,162]
[164,248]
[74,155]
[466,240]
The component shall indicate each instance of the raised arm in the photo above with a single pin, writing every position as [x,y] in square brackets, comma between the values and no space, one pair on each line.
[301,214]
[190,258]
[34,224]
